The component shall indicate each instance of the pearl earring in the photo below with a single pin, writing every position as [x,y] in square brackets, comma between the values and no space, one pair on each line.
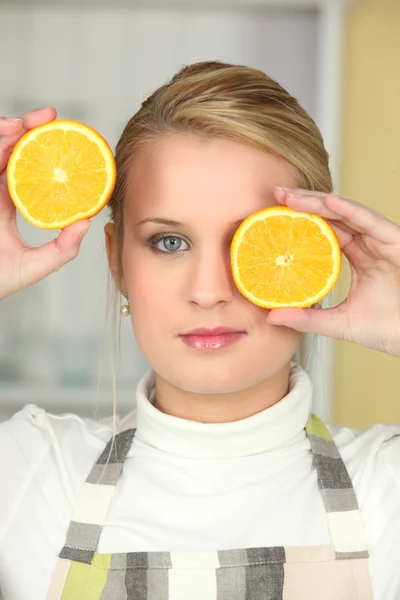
[126,308]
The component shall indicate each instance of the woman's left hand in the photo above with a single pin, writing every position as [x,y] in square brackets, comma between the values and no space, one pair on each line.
[370,315]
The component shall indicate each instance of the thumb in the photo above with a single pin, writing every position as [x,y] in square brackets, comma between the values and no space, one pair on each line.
[40,262]
[68,242]
[327,321]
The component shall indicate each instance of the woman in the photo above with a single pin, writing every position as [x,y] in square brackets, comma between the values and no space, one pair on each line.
[218,484]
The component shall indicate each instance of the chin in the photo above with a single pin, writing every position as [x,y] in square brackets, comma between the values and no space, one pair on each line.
[216,378]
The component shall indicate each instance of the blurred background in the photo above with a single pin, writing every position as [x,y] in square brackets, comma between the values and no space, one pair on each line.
[96,62]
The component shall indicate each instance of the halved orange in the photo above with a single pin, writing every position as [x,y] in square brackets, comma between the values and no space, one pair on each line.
[284,258]
[59,173]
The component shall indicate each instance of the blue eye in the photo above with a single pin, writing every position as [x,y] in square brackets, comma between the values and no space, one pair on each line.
[169,244]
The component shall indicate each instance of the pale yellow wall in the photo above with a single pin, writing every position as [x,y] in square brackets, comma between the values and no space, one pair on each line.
[367,383]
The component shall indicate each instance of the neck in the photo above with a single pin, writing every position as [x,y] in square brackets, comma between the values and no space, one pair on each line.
[222,407]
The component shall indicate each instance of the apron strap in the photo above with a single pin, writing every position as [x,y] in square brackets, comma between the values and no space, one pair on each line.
[95,498]
[338,494]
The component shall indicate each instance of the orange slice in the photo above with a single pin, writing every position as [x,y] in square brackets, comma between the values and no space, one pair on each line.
[59,173]
[283,258]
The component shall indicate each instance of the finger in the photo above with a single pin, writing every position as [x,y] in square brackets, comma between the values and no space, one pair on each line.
[305,201]
[343,233]
[311,202]
[364,220]
[29,120]
[71,236]
[281,192]
[360,218]
[37,117]
[328,322]
[7,207]
[40,262]
[10,126]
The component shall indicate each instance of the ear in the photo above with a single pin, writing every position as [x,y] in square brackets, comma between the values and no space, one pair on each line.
[113,257]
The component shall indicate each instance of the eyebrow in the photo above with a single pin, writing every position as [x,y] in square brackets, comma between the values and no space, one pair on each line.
[173,223]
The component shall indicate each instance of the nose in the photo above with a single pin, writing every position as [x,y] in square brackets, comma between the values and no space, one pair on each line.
[210,278]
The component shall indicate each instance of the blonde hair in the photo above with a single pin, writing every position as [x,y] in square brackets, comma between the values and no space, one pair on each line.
[215,99]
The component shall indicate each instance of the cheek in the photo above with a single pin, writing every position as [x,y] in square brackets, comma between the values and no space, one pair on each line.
[150,313]
[283,337]
[270,344]
[151,293]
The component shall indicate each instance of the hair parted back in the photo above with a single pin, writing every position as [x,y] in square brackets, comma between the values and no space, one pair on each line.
[216,99]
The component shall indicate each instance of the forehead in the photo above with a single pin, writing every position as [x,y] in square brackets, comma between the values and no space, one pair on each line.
[183,176]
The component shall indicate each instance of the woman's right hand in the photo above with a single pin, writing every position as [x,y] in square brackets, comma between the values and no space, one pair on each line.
[22,265]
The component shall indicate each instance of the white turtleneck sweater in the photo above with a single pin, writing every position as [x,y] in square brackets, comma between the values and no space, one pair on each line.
[190,486]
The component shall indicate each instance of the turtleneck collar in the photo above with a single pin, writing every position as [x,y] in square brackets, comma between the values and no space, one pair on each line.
[275,428]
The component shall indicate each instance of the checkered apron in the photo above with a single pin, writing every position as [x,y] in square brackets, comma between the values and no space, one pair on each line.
[334,572]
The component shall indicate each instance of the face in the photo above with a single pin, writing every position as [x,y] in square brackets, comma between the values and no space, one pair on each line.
[185,199]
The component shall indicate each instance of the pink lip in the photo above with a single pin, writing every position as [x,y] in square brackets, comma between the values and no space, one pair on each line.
[212,339]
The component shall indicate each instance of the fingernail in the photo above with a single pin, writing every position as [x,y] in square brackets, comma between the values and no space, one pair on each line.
[272,322]
[284,189]
[11,120]
[296,194]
